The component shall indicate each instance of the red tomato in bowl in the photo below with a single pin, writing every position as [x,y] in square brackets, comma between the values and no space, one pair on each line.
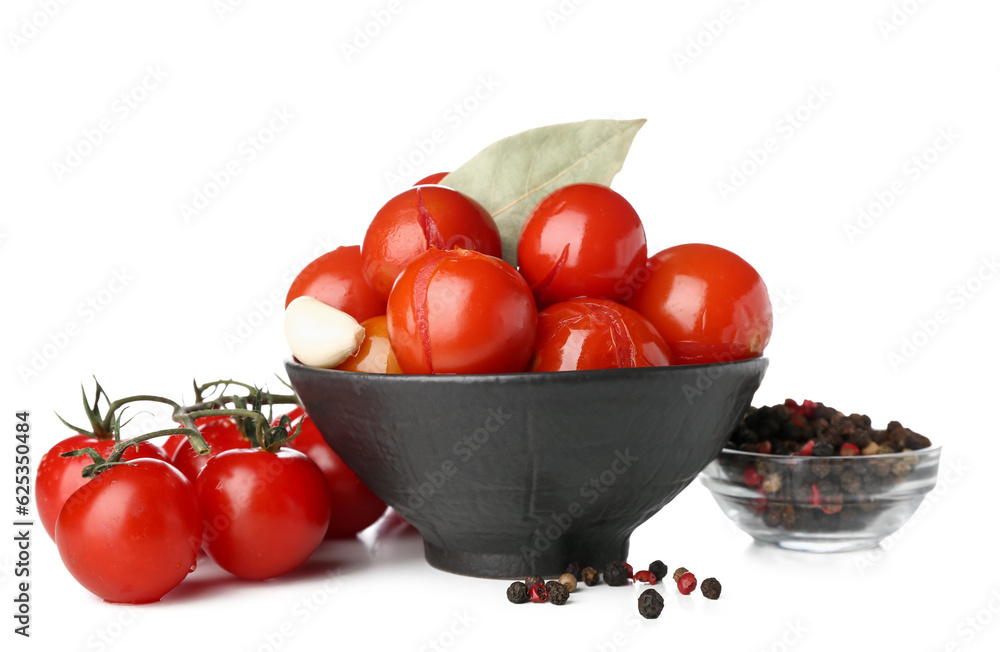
[461,312]
[420,218]
[432,179]
[595,334]
[335,279]
[709,304]
[583,240]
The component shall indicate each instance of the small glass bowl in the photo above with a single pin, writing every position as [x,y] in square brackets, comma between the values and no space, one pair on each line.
[821,504]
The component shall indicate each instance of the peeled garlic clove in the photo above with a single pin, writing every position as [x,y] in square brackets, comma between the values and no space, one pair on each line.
[320,335]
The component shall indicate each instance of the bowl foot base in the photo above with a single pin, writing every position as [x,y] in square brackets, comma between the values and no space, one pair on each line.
[550,563]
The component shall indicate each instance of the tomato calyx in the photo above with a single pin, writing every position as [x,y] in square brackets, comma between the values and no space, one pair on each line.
[100,424]
[246,412]
[101,464]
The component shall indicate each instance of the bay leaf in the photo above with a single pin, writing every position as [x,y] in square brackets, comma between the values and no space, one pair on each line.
[512,175]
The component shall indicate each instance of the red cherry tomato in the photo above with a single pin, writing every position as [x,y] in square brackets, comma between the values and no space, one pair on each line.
[595,334]
[420,218]
[461,311]
[58,477]
[335,279]
[220,433]
[709,304]
[375,354]
[432,179]
[132,533]
[583,240]
[263,513]
[353,506]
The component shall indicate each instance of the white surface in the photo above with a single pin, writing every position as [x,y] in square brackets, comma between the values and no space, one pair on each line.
[878,99]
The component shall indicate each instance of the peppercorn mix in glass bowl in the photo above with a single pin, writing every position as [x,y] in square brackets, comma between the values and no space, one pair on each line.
[807,477]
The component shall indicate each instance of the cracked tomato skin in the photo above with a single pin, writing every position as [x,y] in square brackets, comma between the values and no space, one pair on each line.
[595,334]
[58,477]
[414,221]
[132,533]
[264,513]
[461,312]
[582,240]
[709,304]
[353,506]
[335,278]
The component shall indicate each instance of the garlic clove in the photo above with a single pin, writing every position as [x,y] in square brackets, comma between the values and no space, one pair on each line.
[320,335]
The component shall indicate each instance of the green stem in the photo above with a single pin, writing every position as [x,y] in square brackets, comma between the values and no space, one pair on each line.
[113,407]
[197,442]
[260,420]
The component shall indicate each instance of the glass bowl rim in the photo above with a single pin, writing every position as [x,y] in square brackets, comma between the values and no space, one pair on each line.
[921,452]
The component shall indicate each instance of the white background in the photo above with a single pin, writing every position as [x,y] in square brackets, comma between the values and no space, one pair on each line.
[885,77]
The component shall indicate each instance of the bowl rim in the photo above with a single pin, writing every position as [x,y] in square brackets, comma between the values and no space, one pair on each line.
[583,374]
[803,459]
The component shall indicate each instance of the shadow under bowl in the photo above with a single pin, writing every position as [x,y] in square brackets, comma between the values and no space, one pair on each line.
[508,475]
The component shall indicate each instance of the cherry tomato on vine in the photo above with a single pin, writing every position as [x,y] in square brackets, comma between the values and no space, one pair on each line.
[420,218]
[263,513]
[375,354]
[582,240]
[461,311]
[432,179]
[709,304]
[335,279]
[58,477]
[595,334]
[353,506]
[220,433]
[132,533]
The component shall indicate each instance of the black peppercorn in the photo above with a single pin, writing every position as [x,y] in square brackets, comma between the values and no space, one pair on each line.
[823,449]
[533,580]
[711,588]
[517,593]
[615,574]
[650,604]
[590,576]
[659,569]
[558,593]
[574,569]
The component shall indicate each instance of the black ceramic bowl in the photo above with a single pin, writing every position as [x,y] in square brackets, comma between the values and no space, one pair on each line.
[507,475]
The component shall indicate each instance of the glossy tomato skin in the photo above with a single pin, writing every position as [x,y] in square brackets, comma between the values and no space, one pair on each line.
[582,240]
[432,179]
[132,533]
[263,513]
[335,278]
[58,477]
[220,433]
[709,304]
[460,312]
[375,353]
[595,334]
[420,218]
[353,506]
